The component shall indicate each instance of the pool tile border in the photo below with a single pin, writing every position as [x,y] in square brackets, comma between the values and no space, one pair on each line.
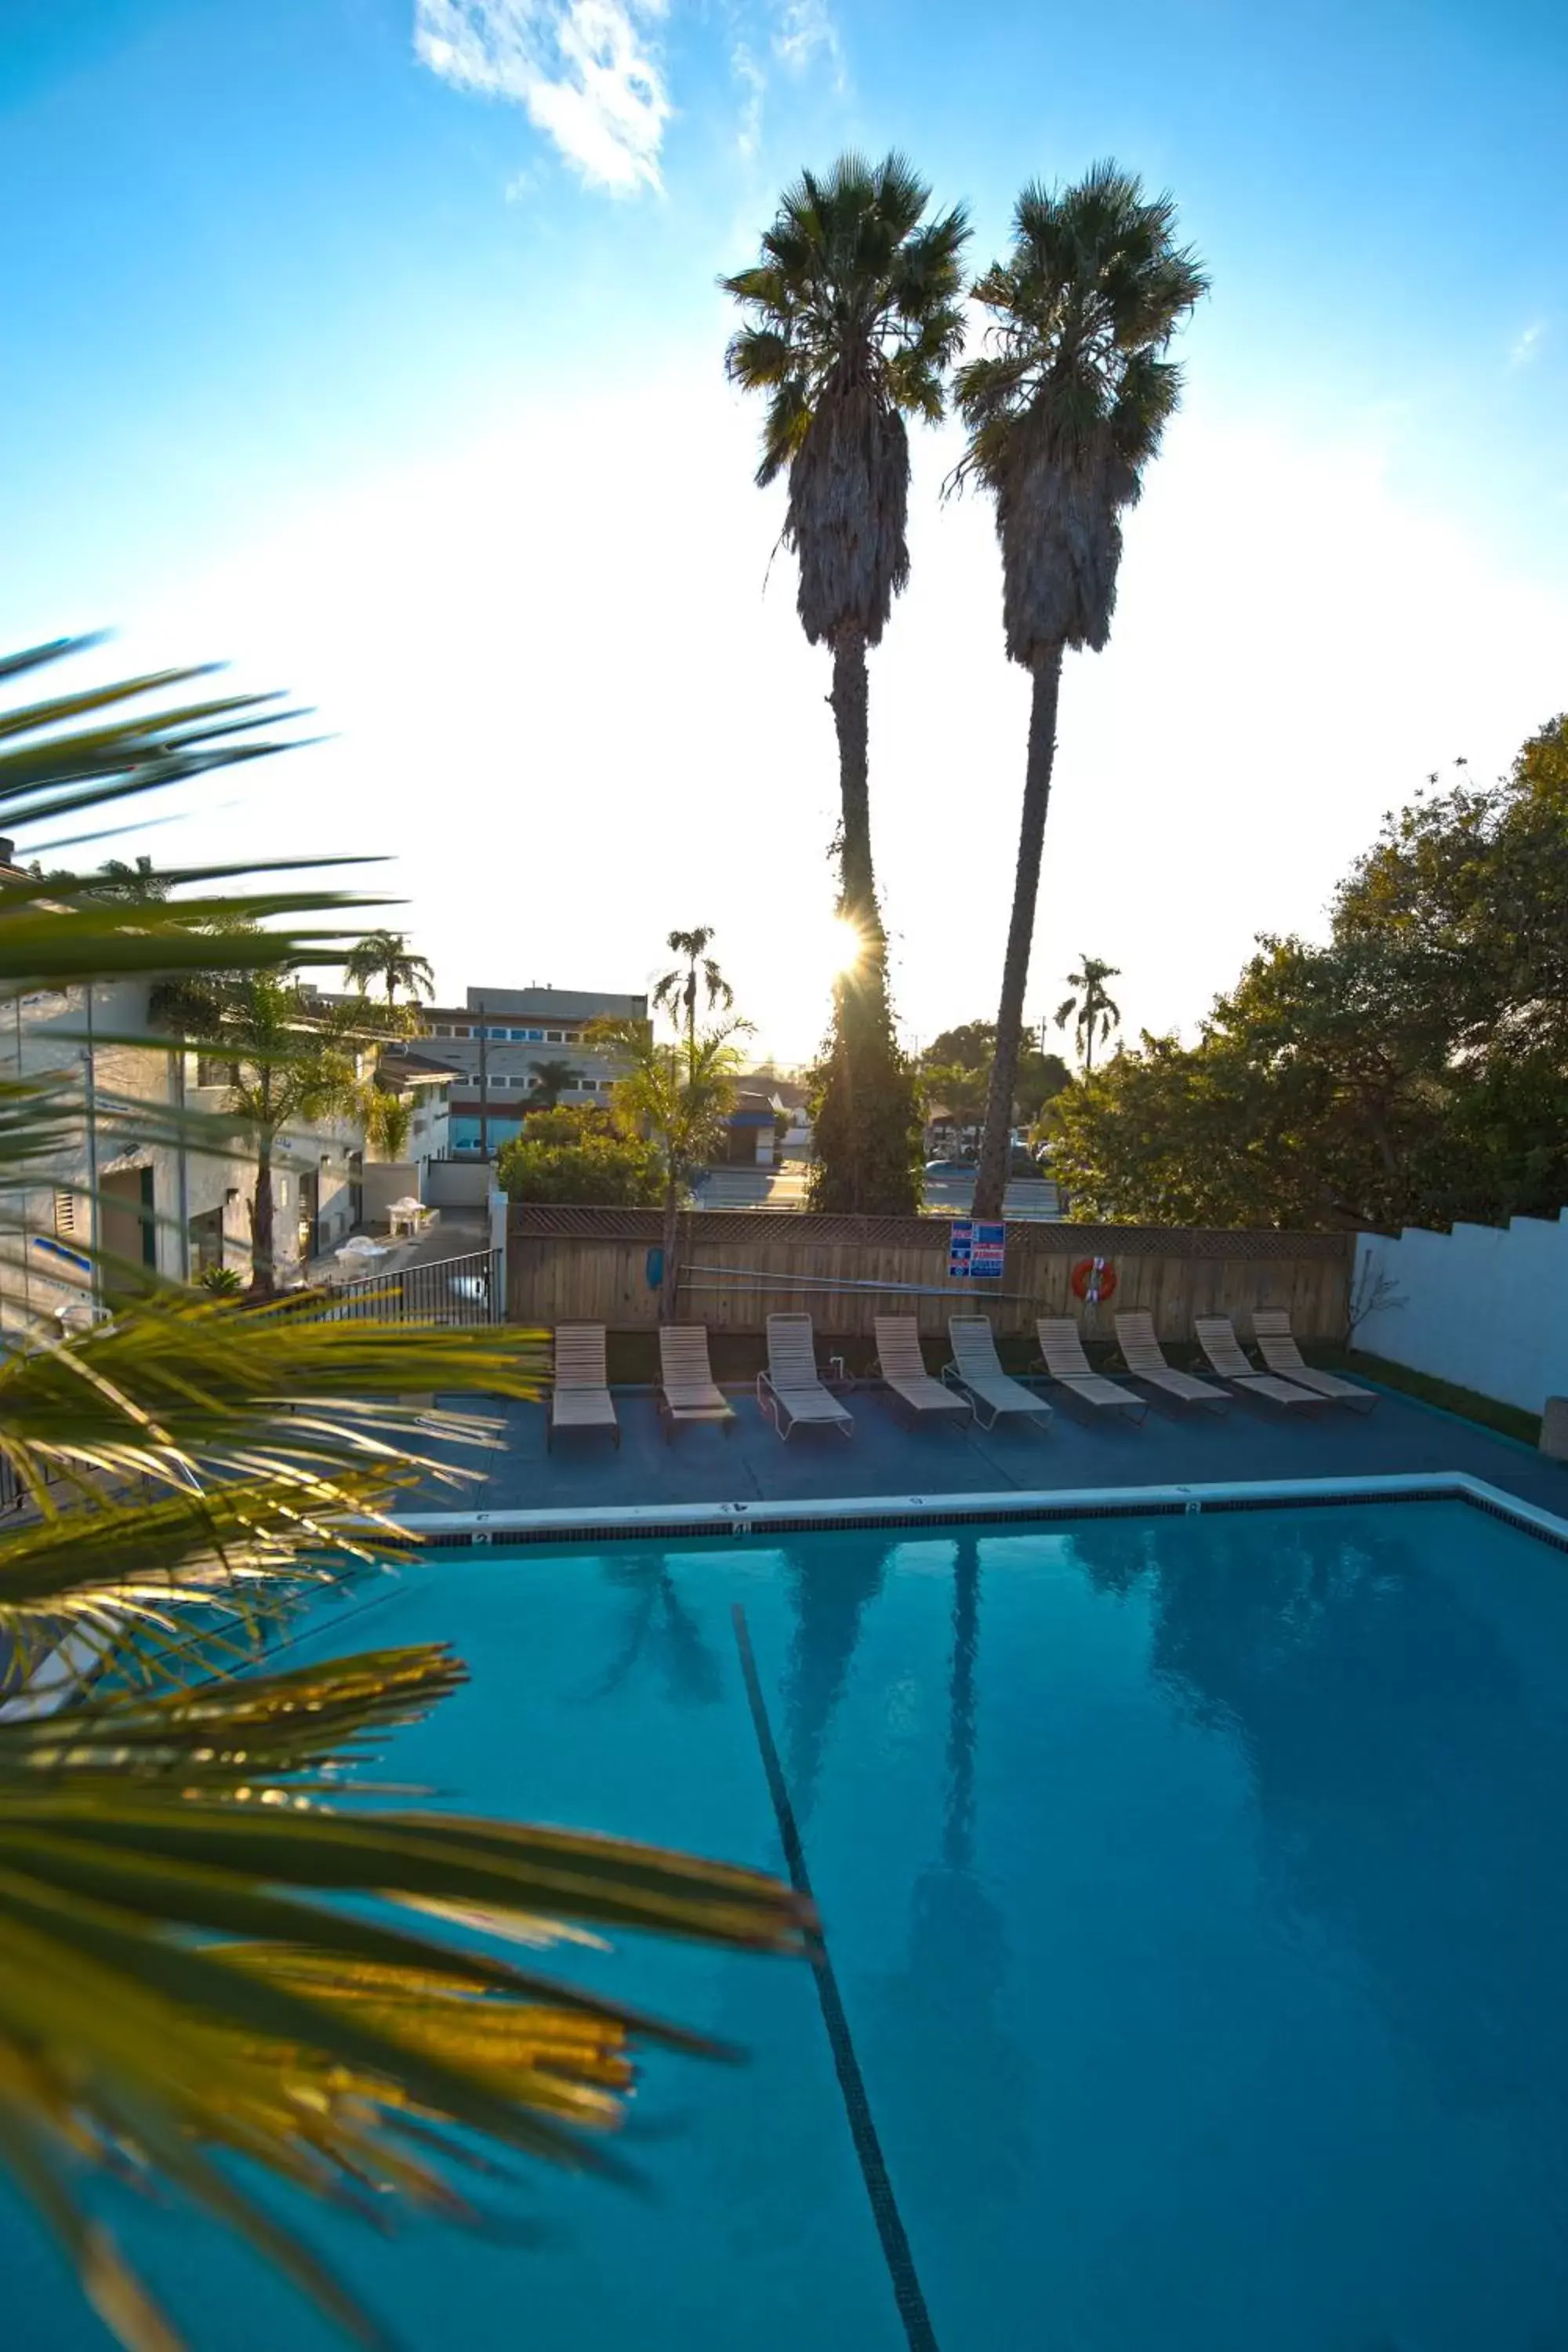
[466,1531]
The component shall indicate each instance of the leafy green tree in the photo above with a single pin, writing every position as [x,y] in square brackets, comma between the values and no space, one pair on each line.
[853,316]
[287,1059]
[1064,411]
[680,1102]
[960,1092]
[1091,1008]
[554,1079]
[140,881]
[217,1967]
[1041,1078]
[388,1121]
[385,956]
[676,991]
[973,1046]
[1474,878]
[593,1165]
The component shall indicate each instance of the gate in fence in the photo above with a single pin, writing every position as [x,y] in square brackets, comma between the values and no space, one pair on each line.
[452,1290]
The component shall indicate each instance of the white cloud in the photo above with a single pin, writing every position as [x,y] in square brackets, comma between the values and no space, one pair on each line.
[579,67]
[806,30]
[754,83]
[1528,343]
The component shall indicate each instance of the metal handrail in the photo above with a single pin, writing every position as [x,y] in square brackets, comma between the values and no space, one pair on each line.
[455,1290]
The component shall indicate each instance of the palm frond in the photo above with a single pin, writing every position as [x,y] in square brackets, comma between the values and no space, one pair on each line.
[186,1386]
[855,314]
[178,1974]
[205,1954]
[1066,406]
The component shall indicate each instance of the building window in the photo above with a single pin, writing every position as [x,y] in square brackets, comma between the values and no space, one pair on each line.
[65,1213]
[442,1029]
[459,1032]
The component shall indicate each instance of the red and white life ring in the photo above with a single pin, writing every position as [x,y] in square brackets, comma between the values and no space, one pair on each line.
[1093,1278]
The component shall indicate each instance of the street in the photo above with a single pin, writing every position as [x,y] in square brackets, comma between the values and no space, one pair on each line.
[784,1187]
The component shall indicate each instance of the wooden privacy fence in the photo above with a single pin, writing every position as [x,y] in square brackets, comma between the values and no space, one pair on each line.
[597,1265]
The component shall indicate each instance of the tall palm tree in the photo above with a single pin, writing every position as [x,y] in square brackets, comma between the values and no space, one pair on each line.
[676,991]
[386,957]
[1091,1008]
[182,1981]
[855,315]
[1065,410]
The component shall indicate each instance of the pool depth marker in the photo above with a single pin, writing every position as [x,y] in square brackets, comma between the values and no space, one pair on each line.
[900,2262]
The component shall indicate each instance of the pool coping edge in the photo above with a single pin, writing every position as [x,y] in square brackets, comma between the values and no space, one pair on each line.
[631,1522]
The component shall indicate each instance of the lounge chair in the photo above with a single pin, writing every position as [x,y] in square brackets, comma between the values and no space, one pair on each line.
[580,1396]
[791,1390]
[1062,1352]
[688,1390]
[1223,1350]
[902,1366]
[1144,1358]
[1276,1345]
[977,1371]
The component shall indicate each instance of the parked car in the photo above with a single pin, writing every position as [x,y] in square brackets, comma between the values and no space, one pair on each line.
[949,1167]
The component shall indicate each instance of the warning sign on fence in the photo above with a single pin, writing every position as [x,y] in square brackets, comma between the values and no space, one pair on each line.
[976,1251]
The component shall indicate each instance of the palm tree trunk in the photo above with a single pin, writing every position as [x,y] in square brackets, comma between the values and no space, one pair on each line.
[263,1271]
[667,1290]
[990,1183]
[848,698]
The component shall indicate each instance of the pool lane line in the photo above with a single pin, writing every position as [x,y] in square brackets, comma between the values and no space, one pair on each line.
[901,2262]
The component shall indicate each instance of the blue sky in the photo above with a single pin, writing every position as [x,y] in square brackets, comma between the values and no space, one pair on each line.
[376,346]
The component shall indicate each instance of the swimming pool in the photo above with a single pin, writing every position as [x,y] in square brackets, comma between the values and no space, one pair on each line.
[1196,1893]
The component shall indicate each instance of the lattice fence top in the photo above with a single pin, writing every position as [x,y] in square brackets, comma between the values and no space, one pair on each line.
[757,1228]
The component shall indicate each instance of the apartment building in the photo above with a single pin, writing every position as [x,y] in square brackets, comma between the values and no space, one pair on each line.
[498,1038]
[129,1179]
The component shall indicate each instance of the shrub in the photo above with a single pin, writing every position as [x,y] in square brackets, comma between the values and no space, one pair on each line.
[599,1169]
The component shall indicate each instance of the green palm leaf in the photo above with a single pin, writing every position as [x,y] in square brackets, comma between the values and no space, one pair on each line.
[207,1951]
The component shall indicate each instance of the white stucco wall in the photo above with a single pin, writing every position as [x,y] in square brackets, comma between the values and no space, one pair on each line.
[45,1033]
[1485,1307]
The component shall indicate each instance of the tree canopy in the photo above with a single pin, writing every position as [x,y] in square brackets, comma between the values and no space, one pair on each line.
[1412,1069]
[957,1057]
[580,1156]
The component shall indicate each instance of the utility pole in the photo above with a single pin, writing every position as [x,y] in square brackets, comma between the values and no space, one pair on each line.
[90,1071]
[484,1088]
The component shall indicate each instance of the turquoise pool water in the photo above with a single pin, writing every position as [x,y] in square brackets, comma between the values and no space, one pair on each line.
[1196,1889]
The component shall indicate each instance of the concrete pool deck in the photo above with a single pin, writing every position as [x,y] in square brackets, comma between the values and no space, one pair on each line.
[584,1470]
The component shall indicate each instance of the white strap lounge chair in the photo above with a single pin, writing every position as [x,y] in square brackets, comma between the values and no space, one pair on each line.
[688,1391]
[902,1366]
[1224,1351]
[1061,1352]
[1276,1345]
[976,1368]
[580,1396]
[791,1390]
[1144,1358]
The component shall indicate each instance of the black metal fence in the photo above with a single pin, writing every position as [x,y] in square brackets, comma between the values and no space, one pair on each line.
[450,1290]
